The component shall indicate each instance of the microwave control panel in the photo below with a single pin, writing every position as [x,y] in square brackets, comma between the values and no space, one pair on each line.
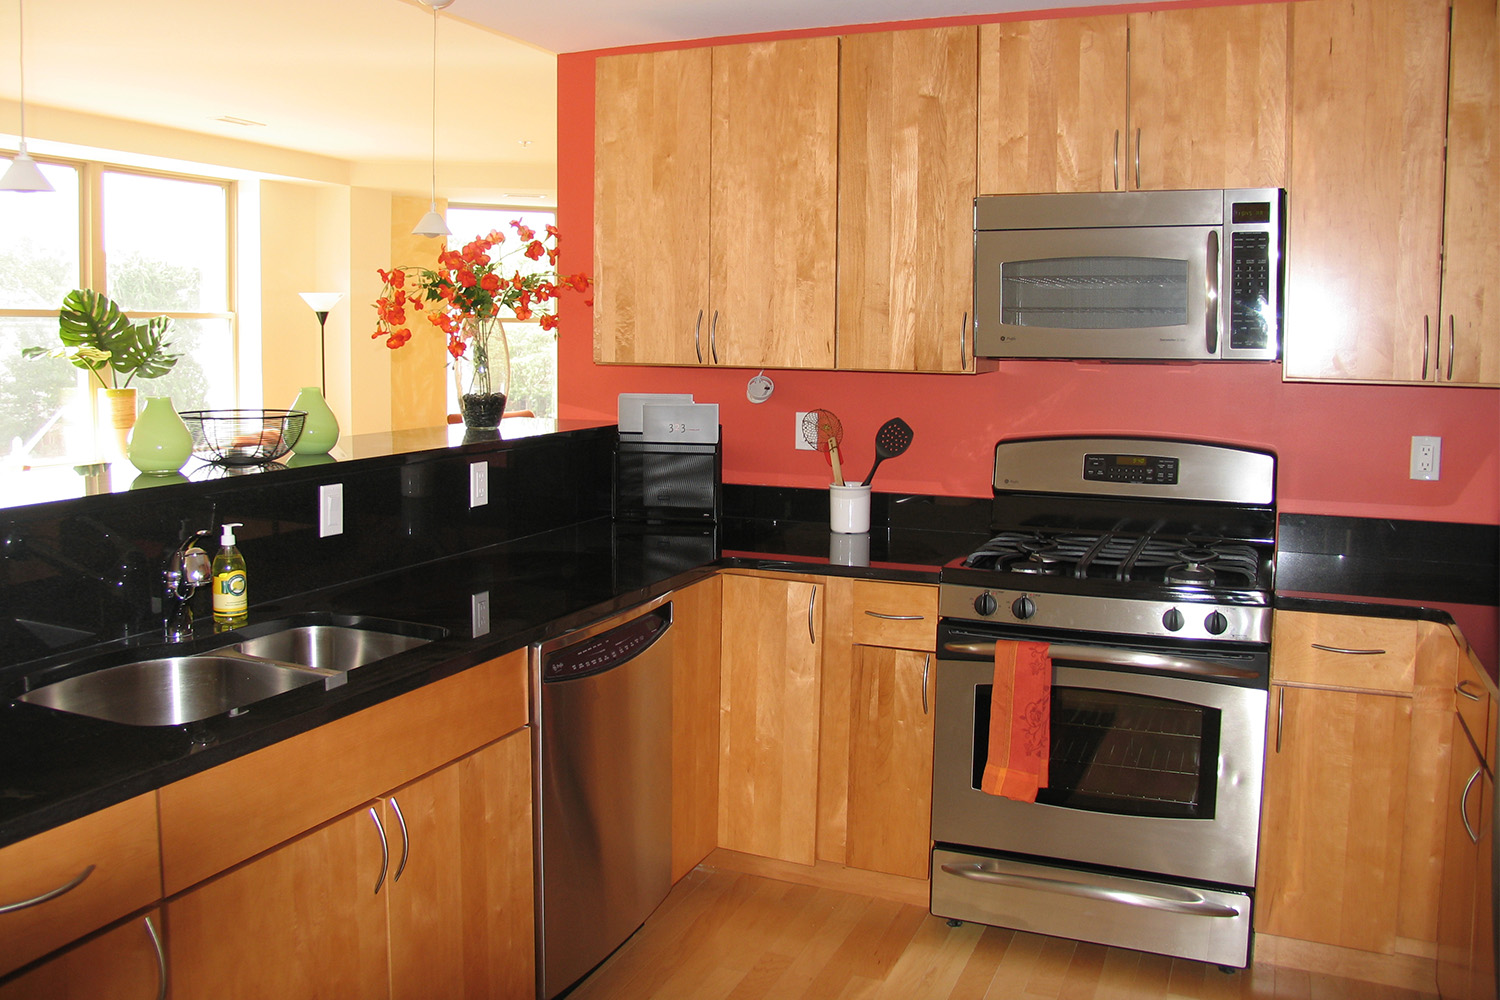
[1250,290]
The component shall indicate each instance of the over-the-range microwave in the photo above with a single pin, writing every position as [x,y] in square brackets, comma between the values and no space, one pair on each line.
[1131,276]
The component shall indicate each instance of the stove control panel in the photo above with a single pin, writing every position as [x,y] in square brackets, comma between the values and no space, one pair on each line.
[1158,470]
[1206,621]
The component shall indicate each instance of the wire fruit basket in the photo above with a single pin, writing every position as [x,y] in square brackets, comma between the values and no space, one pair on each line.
[243,437]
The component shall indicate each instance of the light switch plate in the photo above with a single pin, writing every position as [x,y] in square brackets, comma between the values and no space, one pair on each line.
[330,510]
[479,484]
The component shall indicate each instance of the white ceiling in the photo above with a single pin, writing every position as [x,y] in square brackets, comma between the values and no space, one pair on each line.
[351,79]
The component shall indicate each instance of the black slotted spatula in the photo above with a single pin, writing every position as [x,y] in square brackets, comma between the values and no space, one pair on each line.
[891,440]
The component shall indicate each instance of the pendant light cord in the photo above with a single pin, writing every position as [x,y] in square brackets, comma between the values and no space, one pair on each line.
[21,62]
[433,201]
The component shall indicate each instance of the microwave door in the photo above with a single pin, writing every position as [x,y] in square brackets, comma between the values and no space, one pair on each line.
[1128,293]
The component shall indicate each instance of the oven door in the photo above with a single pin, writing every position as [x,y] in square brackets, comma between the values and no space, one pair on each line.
[1154,774]
[1127,293]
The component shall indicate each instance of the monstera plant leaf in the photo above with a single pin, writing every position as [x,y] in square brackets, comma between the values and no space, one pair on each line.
[142,351]
[100,334]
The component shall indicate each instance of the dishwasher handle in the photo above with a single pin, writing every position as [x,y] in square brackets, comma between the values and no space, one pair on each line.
[604,648]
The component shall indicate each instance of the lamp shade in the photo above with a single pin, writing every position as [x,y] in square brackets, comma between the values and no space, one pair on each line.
[24,174]
[432,224]
[321,302]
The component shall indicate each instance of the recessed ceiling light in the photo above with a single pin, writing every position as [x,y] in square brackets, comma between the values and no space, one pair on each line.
[523,142]
[232,120]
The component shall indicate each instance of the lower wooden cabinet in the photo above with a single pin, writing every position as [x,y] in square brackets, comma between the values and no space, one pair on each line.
[695,639]
[1465,953]
[123,963]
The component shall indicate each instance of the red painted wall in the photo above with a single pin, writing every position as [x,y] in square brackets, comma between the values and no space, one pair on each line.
[1343,449]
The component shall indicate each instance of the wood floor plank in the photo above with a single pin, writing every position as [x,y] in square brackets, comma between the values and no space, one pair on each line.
[979,971]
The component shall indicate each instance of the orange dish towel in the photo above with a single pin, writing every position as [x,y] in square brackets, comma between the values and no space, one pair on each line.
[1020,721]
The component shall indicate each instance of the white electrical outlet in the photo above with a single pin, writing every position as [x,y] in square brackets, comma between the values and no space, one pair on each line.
[802,443]
[479,613]
[479,484]
[1426,457]
[330,510]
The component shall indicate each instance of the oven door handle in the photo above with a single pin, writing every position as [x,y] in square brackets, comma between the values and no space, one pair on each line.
[1121,658]
[1171,900]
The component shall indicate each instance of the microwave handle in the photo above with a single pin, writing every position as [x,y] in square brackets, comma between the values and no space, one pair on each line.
[1211,304]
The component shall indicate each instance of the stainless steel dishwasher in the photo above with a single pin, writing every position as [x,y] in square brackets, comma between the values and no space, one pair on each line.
[602,783]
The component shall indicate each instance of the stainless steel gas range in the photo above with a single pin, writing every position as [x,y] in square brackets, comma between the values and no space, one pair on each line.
[1145,565]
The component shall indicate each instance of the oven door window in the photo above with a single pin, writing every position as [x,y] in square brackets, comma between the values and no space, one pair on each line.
[1095,293]
[1122,753]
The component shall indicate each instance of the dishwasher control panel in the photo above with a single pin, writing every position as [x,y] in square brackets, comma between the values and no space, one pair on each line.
[608,649]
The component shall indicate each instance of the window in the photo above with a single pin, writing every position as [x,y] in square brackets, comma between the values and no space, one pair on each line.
[533,351]
[157,244]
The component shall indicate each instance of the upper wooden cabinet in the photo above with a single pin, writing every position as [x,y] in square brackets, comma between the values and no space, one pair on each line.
[1380,286]
[715,202]
[1159,100]
[906,186]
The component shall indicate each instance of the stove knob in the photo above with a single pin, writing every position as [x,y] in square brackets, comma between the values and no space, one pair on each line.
[1023,608]
[1216,623]
[986,604]
[1172,621]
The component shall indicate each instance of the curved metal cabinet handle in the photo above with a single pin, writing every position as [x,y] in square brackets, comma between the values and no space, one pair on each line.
[1172,899]
[698,337]
[1211,300]
[1117,159]
[895,618]
[49,895]
[963,341]
[1348,652]
[385,850]
[1426,344]
[1280,715]
[812,598]
[405,840]
[1450,348]
[713,338]
[1462,688]
[1137,159]
[161,960]
[926,670]
[1463,804]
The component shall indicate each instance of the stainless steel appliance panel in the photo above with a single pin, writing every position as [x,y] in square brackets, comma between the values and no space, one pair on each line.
[1207,925]
[602,700]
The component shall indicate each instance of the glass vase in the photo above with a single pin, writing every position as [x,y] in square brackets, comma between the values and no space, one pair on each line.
[320,431]
[482,374]
[160,442]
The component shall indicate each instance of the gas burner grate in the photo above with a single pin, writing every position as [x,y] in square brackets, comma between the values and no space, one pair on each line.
[1193,561]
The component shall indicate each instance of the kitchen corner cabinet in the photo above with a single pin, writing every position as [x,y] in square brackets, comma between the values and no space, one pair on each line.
[722,146]
[1394,286]
[695,640]
[1149,101]
[125,962]
[906,186]
[770,671]
[1352,821]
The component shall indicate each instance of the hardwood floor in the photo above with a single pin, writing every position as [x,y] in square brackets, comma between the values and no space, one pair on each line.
[723,935]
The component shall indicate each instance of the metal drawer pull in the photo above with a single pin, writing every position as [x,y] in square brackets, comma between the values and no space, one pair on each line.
[1462,687]
[963,341]
[1170,900]
[897,618]
[46,896]
[713,338]
[1463,804]
[698,337]
[161,961]
[405,840]
[926,669]
[1348,652]
[1450,348]
[385,851]
[1119,657]
[812,636]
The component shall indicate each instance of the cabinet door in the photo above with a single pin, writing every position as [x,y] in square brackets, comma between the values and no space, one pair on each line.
[1052,105]
[768,717]
[1208,98]
[1457,904]
[460,893]
[651,162]
[695,642]
[125,963]
[890,762]
[304,920]
[1468,346]
[773,176]
[1332,817]
[1366,192]
[906,186]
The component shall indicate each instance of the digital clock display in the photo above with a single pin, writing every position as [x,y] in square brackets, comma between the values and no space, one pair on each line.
[1136,460]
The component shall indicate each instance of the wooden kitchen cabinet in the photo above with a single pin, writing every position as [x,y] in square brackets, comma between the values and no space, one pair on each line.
[771,651]
[752,131]
[125,962]
[112,856]
[1465,940]
[1150,101]
[906,187]
[1383,287]
[695,638]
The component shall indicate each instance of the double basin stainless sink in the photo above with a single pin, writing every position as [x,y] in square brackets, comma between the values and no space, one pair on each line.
[173,690]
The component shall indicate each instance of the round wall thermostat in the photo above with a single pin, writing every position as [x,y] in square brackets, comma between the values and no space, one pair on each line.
[759,389]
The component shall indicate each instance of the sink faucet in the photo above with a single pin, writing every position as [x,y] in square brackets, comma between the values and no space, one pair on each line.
[187,569]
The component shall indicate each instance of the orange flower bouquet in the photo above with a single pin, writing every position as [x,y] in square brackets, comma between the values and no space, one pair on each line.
[464,297]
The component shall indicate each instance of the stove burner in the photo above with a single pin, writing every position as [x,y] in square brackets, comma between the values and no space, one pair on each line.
[1192,574]
[1202,562]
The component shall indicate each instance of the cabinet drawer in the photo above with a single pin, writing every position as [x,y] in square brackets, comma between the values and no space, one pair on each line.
[120,844]
[1471,697]
[223,816]
[1373,654]
[897,615]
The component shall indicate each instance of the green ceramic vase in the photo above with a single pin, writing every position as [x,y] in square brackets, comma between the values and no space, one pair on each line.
[160,442]
[321,431]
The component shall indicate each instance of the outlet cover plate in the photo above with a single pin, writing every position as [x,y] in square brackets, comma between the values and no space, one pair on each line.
[479,613]
[801,442]
[1426,458]
[479,484]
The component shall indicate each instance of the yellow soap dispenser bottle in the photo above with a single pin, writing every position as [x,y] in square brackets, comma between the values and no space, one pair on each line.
[231,596]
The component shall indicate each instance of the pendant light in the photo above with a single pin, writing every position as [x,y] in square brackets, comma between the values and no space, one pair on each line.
[24,174]
[432,223]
